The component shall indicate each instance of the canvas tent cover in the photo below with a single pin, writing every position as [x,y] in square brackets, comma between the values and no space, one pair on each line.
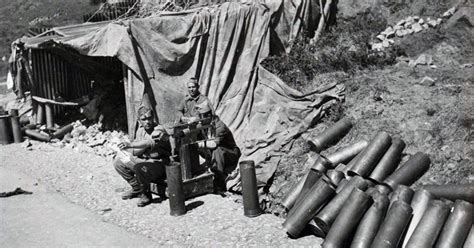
[222,46]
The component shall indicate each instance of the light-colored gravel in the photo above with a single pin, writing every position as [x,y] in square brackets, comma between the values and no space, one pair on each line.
[91,181]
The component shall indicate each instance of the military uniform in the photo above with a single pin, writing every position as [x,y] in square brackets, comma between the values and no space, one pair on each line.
[156,155]
[226,155]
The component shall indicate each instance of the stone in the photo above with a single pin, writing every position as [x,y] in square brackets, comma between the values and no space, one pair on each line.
[26,144]
[389,32]
[400,33]
[385,44]
[416,27]
[381,37]
[391,41]
[422,60]
[407,24]
[426,26]
[449,12]
[427,81]
[432,23]
[439,21]
[401,22]
[377,46]
[421,21]
[398,27]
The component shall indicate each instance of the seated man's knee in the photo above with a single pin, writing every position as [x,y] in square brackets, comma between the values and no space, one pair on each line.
[117,163]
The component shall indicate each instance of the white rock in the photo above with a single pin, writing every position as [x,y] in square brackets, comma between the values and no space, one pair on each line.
[449,12]
[398,27]
[400,33]
[416,27]
[421,21]
[407,24]
[439,21]
[377,46]
[381,37]
[401,22]
[408,31]
[427,81]
[391,41]
[432,23]
[422,60]
[426,26]
[385,43]
[389,32]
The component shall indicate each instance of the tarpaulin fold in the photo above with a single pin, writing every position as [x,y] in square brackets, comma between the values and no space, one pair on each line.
[223,47]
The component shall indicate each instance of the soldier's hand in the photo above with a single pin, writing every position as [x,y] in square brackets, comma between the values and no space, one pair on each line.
[124,145]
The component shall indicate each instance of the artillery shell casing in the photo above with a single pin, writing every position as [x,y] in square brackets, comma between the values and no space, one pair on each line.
[411,171]
[371,155]
[347,153]
[391,231]
[430,225]
[328,214]
[370,223]
[389,162]
[347,220]
[456,228]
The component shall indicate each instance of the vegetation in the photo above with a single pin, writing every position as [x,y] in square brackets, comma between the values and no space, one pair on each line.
[20,15]
[343,48]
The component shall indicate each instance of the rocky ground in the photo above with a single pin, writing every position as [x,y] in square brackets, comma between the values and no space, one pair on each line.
[429,105]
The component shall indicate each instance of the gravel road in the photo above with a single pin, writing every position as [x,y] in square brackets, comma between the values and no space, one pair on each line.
[90,181]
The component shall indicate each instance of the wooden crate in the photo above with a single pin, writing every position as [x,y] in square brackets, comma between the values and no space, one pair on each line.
[199,185]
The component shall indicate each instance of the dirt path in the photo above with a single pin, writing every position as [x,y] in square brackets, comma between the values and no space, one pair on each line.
[45,218]
[90,182]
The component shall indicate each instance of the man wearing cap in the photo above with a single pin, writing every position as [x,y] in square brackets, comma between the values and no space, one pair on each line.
[225,152]
[151,147]
[187,107]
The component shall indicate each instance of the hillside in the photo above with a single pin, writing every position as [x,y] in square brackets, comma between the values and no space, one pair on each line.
[19,15]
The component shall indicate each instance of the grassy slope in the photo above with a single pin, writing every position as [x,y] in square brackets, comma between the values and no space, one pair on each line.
[18,15]
[432,118]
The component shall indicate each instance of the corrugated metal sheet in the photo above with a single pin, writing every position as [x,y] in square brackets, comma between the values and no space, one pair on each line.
[55,77]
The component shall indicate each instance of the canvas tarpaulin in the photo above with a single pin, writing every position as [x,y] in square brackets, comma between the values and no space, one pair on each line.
[222,46]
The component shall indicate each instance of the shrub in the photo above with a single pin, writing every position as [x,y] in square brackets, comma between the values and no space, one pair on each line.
[343,47]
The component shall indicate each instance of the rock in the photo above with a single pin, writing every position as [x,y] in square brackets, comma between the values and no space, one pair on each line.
[432,23]
[449,12]
[400,33]
[385,44]
[426,26]
[398,27]
[389,32]
[451,166]
[427,81]
[407,24]
[468,65]
[421,21]
[439,21]
[416,27]
[391,41]
[381,37]
[422,60]
[26,144]
[401,22]
[377,46]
